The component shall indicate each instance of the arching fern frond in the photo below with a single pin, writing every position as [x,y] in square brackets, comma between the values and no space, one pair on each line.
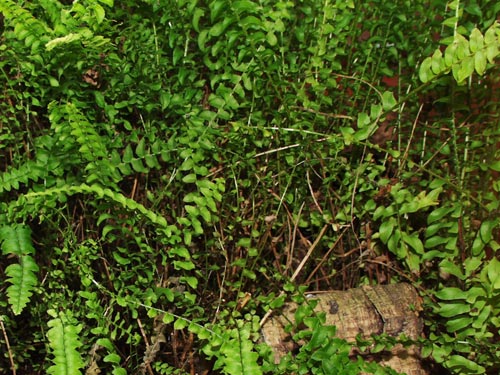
[64,343]
[22,276]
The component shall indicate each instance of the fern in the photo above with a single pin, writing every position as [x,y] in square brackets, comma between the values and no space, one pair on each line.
[45,163]
[26,27]
[464,56]
[71,125]
[236,355]
[64,343]
[37,198]
[22,276]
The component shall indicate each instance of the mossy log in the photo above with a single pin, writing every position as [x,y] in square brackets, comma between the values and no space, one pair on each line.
[390,309]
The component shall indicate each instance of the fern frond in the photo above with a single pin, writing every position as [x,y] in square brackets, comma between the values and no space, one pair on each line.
[237,356]
[49,161]
[16,239]
[64,343]
[26,27]
[37,198]
[22,276]
[70,124]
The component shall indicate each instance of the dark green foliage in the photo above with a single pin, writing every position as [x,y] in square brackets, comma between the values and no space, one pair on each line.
[174,158]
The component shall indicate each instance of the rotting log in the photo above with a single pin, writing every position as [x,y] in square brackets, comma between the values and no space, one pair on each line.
[369,310]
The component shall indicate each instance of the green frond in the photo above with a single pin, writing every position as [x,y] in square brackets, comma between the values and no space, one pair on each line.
[16,239]
[26,27]
[22,276]
[237,355]
[64,343]
[71,125]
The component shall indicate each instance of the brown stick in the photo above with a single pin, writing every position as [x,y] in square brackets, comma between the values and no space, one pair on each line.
[11,357]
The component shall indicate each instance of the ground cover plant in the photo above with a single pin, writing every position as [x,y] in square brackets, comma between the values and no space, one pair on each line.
[171,170]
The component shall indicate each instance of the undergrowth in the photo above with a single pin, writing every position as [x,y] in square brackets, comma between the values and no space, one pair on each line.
[172,170]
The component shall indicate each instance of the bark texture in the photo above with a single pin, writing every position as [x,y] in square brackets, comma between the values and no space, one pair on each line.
[391,309]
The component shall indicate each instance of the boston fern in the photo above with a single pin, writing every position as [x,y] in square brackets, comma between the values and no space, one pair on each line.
[170,156]
[16,240]
[64,344]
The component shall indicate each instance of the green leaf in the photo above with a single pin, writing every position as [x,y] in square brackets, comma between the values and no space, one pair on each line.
[438,214]
[241,6]
[449,310]
[53,82]
[486,230]
[202,39]
[217,29]
[237,356]
[413,241]
[109,3]
[435,241]
[168,318]
[493,269]
[388,101]
[451,268]
[179,251]
[451,294]
[198,13]
[190,280]
[180,324]
[119,259]
[465,69]
[112,358]
[425,72]
[476,41]
[437,62]
[463,365]
[189,178]
[183,265]
[192,210]
[386,229]
[205,214]
[471,264]
[459,323]
[363,120]
[99,12]
[99,99]
[413,261]
[495,166]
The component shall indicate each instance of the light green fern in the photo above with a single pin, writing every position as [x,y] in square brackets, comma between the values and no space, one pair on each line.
[22,276]
[32,31]
[236,354]
[64,343]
